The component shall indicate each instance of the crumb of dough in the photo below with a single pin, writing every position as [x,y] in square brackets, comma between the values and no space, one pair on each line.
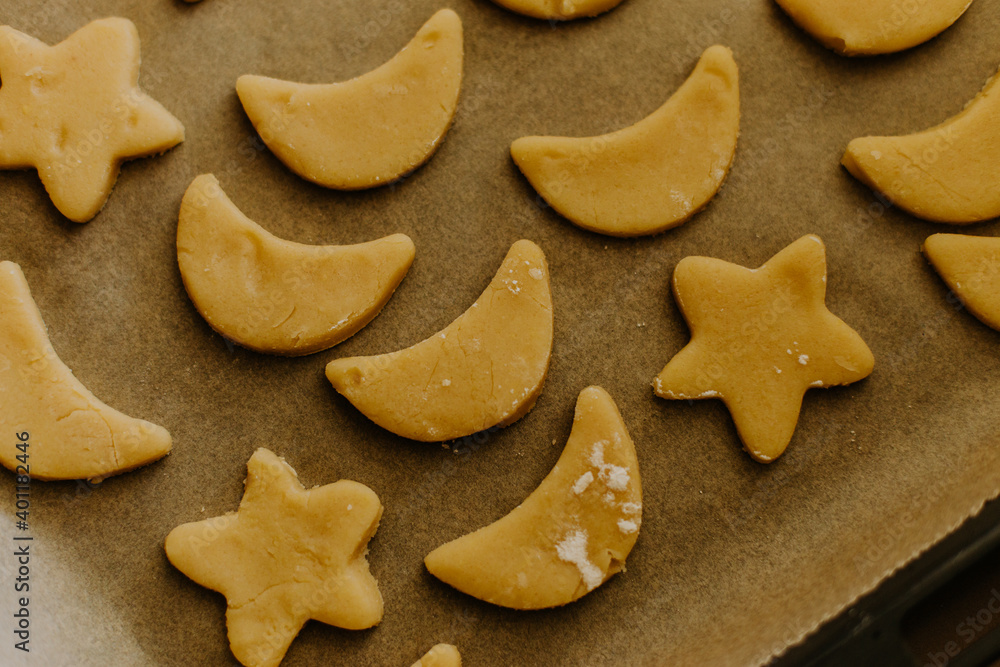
[582,483]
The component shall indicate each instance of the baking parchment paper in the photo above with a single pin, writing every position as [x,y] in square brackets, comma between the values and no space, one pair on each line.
[736,560]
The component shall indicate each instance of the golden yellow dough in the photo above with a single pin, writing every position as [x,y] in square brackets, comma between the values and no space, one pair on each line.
[442,655]
[945,174]
[559,10]
[273,295]
[286,556]
[870,27]
[570,535]
[651,176]
[485,369]
[759,339]
[74,112]
[370,130]
[73,435]
[970,265]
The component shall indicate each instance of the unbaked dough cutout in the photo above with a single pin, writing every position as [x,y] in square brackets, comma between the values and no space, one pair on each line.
[760,338]
[570,535]
[73,435]
[286,556]
[373,129]
[74,112]
[856,28]
[970,266]
[559,10]
[649,177]
[442,655]
[277,296]
[484,369]
[945,174]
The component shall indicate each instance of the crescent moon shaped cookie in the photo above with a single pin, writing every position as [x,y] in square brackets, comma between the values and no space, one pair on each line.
[945,174]
[74,112]
[570,535]
[485,369]
[276,296]
[559,10]
[371,130]
[442,655]
[760,338]
[651,176]
[73,435]
[854,28]
[286,556]
[970,265]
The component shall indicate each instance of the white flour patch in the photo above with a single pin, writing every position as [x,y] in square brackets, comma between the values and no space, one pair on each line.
[573,549]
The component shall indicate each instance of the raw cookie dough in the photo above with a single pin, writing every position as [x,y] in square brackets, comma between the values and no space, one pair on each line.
[945,174]
[73,435]
[370,130]
[485,369]
[570,535]
[970,265]
[651,176]
[442,655]
[278,296]
[759,339]
[559,10]
[74,112]
[286,556]
[870,27]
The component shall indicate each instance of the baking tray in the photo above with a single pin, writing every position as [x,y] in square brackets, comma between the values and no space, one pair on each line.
[879,630]
[737,561]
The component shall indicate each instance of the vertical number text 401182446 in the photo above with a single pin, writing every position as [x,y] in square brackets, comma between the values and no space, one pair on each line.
[22,544]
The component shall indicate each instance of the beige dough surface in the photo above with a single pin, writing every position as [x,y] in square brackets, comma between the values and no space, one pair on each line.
[855,28]
[442,655]
[760,338]
[570,535]
[970,266]
[73,434]
[286,556]
[559,10]
[370,130]
[484,369]
[74,112]
[945,174]
[653,175]
[277,296]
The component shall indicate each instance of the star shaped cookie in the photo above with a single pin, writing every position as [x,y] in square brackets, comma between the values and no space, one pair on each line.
[760,338]
[74,112]
[286,556]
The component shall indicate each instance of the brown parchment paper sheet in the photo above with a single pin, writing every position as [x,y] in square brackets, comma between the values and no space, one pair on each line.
[736,560]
